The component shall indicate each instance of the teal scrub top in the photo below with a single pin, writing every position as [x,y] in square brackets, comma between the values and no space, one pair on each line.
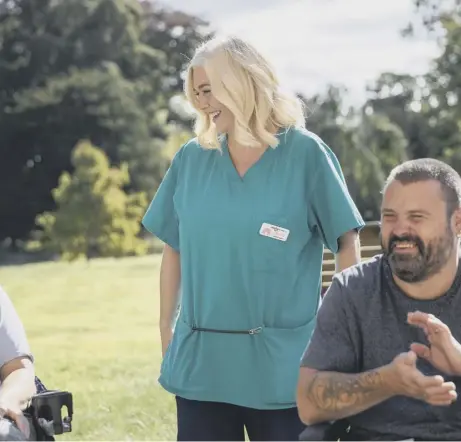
[251,254]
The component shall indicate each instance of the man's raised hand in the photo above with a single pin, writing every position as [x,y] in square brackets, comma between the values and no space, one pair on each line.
[444,351]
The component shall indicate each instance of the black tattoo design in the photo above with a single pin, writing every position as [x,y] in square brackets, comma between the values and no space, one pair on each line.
[334,392]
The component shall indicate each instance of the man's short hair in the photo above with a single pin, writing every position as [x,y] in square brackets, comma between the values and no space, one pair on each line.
[425,169]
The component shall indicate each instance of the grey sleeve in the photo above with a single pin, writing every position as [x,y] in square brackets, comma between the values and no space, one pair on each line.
[335,342]
[13,340]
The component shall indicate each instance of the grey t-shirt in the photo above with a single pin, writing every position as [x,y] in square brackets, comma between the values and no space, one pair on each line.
[362,325]
[13,341]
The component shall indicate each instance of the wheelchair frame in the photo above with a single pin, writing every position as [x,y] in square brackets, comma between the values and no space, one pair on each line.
[45,412]
[327,431]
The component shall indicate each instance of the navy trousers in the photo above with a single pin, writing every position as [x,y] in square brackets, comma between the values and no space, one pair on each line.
[216,421]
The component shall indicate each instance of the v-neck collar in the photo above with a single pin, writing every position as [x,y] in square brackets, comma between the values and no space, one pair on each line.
[232,170]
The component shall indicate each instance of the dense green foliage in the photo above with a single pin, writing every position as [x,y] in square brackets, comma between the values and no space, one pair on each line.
[102,70]
[94,216]
[106,70]
[404,117]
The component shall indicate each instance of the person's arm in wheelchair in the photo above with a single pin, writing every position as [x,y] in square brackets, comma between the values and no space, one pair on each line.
[330,385]
[17,374]
[17,386]
[329,396]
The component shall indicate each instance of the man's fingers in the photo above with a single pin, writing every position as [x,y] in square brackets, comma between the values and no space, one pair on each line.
[409,358]
[417,317]
[435,326]
[421,350]
[419,322]
[425,382]
[442,399]
[441,395]
[429,323]
[421,319]
[444,389]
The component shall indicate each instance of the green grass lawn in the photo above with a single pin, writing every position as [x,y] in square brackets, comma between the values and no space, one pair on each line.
[93,328]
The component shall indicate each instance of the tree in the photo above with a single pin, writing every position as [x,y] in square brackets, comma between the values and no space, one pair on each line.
[83,69]
[94,216]
[176,138]
[328,117]
[379,146]
[431,14]
[367,143]
[404,117]
[442,84]
[175,33]
[404,100]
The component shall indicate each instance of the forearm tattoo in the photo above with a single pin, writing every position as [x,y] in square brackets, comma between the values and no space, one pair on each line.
[334,392]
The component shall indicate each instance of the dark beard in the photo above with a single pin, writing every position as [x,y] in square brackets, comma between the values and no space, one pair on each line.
[429,259]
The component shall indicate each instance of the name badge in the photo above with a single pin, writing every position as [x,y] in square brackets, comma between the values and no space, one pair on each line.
[274,232]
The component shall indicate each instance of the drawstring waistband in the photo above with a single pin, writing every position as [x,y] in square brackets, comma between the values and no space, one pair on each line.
[253,331]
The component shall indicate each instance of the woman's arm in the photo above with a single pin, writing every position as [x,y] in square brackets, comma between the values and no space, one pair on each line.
[170,280]
[349,251]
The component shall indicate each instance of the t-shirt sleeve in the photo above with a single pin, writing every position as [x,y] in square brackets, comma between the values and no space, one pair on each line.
[13,340]
[161,218]
[335,342]
[333,212]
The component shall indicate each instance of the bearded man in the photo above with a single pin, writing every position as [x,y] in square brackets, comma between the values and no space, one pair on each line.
[385,354]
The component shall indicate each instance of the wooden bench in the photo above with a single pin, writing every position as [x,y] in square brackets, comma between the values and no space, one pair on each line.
[370,246]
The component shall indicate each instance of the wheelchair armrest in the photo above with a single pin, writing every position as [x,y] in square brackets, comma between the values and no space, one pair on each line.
[315,432]
[46,409]
[327,431]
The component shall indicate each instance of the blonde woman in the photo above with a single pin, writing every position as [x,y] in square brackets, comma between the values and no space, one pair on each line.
[244,210]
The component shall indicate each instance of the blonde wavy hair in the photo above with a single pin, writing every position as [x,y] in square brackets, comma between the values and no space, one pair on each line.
[243,80]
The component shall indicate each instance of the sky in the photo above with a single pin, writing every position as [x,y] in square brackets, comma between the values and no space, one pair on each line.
[313,43]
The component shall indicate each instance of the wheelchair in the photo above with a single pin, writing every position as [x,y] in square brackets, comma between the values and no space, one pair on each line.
[44,412]
[341,430]
[328,431]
